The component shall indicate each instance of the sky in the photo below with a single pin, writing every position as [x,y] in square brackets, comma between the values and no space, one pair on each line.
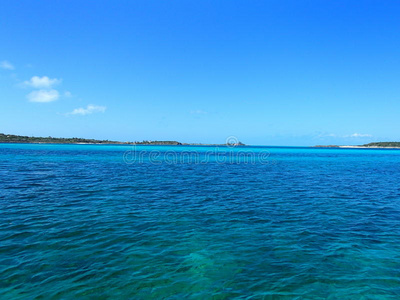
[296,73]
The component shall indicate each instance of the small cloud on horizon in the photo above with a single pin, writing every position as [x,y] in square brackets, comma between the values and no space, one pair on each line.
[88,110]
[357,135]
[333,135]
[42,82]
[6,65]
[198,112]
[329,135]
[43,96]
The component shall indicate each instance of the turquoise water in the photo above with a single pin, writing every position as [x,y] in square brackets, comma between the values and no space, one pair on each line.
[113,222]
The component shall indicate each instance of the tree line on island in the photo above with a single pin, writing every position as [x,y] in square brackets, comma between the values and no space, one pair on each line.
[369,145]
[10,138]
[384,144]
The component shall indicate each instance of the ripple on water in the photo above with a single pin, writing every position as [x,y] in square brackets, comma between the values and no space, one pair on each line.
[77,222]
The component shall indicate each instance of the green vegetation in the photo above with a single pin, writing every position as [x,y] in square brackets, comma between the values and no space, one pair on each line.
[173,143]
[10,138]
[327,146]
[383,145]
[370,145]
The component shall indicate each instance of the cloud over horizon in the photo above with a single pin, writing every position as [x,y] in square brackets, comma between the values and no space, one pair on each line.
[356,135]
[88,110]
[6,65]
[43,96]
[198,112]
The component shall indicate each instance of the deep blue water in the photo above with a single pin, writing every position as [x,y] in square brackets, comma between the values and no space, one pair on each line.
[106,222]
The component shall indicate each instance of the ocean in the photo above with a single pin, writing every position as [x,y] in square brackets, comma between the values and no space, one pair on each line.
[193,222]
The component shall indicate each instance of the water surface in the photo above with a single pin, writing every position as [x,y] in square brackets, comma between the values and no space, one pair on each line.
[106,222]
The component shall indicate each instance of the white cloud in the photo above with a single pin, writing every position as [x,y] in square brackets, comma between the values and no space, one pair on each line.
[323,135]
[356,135]
[6,65]
[198,112]
[67,94]
[41,82]
[88,110]
[333,135]
[43,96]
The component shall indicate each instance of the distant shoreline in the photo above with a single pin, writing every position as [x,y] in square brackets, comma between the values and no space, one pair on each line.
[123,144]
[18,139]
[355,147]
[369,147]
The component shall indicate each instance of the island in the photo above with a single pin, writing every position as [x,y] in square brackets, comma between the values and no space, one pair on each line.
[20,139]
[375,145]
[10,138]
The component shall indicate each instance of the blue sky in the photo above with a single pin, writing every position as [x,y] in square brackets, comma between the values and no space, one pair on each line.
[268,72]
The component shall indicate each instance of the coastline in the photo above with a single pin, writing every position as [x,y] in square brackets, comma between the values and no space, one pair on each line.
[124,144]
[365,147]
[18,139]
[354,147]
